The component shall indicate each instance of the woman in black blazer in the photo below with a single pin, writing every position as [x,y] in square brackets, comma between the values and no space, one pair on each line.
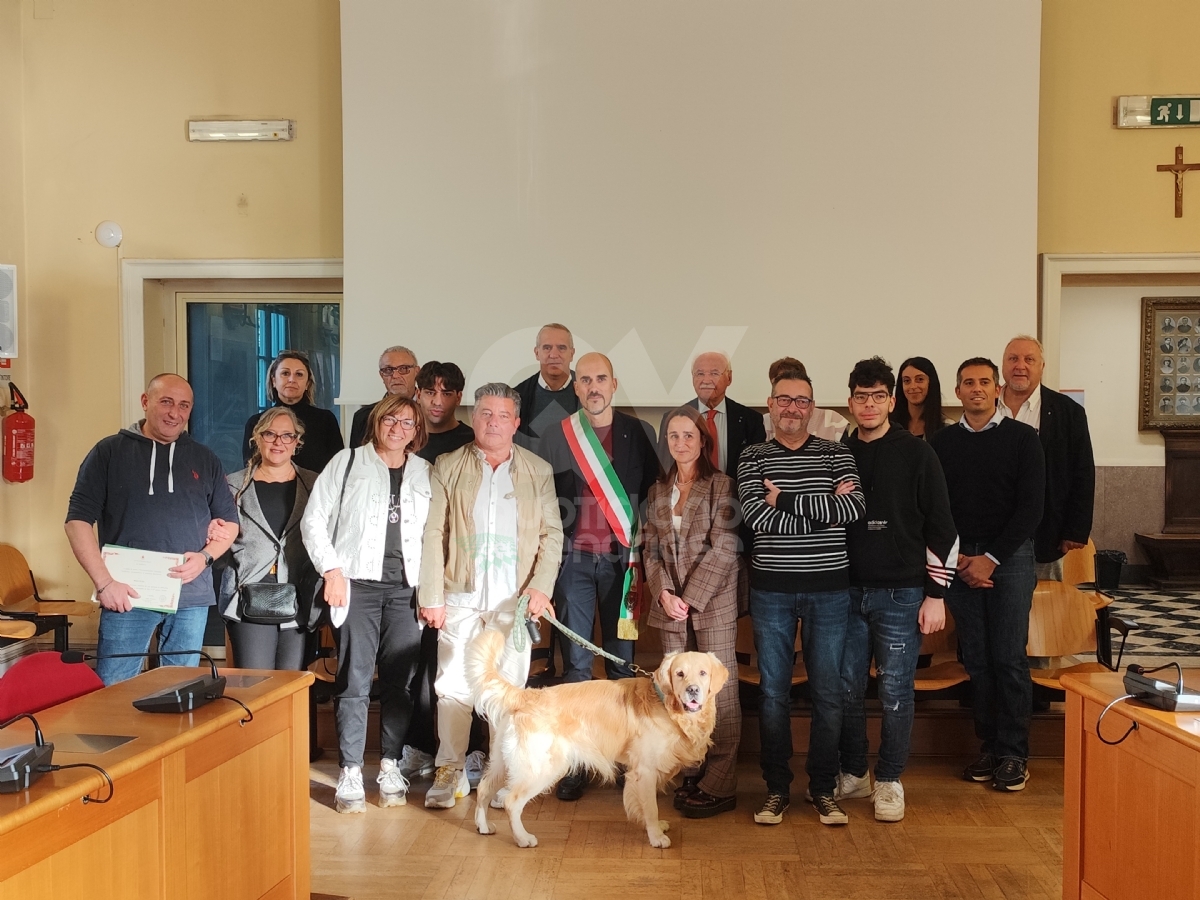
[290,384]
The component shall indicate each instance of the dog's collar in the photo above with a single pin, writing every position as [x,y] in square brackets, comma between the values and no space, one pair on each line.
[659,692]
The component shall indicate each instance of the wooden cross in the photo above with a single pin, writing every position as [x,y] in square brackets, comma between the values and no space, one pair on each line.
[1179,168]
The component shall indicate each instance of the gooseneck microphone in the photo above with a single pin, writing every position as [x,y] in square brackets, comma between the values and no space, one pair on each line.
[182,697]
[22,765]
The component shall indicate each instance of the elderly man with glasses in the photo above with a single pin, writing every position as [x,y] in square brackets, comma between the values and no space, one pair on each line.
[799,492]
[398,371]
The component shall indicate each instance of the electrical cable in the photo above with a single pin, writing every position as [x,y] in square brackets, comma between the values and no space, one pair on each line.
[1130,730]
[87,798]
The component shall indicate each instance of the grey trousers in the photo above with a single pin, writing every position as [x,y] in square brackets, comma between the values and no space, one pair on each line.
[380,629]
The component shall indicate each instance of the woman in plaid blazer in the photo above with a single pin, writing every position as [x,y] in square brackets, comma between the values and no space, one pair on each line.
[694,574]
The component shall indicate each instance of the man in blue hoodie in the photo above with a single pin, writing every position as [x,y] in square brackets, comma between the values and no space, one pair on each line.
[903,554]
[151,487]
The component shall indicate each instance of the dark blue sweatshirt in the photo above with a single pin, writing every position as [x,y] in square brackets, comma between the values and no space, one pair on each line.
[153,496]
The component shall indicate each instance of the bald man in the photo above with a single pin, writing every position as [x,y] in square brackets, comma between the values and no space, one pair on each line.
[734,427]
[151,487]
[1062,428]
[592,492]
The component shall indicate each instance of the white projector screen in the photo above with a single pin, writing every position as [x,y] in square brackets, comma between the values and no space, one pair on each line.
[817,178]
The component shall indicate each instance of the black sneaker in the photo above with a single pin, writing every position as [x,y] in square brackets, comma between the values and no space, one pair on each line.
[983,769]
[1011,775]
[571,787]
[771,812]
[829,811]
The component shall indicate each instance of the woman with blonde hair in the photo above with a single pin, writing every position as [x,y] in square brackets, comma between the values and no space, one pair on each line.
[268,571]
[693,577]
[363,530]
[290,384]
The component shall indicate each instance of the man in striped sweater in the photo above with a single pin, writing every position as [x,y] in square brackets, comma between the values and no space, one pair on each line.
[798,494]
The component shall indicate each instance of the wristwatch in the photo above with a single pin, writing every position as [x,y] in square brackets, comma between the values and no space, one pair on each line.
[208,560]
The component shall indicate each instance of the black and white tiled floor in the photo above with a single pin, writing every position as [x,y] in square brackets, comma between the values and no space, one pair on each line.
[1169,625]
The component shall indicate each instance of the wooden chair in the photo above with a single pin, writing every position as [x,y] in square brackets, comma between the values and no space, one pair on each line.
[1062,622]
[944,670]
[1079,566]
[19,599]
[747,656]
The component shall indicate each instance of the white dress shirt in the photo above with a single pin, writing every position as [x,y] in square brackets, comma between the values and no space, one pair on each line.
[494,542]
[1029,412]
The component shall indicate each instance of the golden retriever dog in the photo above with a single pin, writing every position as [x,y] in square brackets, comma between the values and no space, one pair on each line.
[652,726]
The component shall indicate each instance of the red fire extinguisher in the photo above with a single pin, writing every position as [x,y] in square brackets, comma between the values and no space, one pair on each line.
[18,439]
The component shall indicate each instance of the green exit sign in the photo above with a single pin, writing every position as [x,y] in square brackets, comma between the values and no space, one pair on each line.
[1174,111]
[1145,111]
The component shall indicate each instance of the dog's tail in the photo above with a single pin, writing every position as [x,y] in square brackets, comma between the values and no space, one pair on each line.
[493,695]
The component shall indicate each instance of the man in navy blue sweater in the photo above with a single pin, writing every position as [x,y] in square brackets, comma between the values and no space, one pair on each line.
[151,487]
[995,472]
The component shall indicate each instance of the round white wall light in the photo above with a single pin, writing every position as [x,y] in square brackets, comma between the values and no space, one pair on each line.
[109,234]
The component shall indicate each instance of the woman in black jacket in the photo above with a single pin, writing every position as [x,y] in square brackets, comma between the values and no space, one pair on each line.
[290,383]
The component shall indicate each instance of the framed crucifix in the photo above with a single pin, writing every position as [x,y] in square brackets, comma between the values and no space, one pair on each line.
[1170,396]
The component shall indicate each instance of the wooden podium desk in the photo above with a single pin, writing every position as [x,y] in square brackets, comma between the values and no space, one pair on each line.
[203,807]
[1131,827]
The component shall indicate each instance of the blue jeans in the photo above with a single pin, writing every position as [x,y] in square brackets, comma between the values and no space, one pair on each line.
[775,616]
[589,583]
[883,625]
[129,632]
[993,628]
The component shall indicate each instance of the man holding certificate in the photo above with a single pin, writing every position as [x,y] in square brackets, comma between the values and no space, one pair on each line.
[154,495]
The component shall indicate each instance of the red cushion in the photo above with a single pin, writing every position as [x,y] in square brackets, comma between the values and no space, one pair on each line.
[42,680]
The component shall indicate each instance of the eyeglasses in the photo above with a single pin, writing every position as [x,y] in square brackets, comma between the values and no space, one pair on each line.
[389,371]
[783,401]
[287,438]
[392,422]
[879,398]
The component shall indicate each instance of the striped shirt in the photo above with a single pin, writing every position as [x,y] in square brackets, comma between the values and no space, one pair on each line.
[800,543]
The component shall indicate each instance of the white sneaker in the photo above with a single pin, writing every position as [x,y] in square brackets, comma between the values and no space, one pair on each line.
[415,763]
[350,796]
[889,801]
[476,763]
[449,784]
[498,800]
[851,787]
[393,787]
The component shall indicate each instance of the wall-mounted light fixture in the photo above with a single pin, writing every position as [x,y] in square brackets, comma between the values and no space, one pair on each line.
[241,130]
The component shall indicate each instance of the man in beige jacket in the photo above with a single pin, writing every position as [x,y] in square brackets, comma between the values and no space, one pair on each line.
[493,534]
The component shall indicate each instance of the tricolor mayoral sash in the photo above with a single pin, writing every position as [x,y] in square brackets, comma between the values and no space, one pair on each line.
[597,470]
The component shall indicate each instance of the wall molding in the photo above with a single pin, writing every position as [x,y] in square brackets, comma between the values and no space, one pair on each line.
[134,274]
[1055,265]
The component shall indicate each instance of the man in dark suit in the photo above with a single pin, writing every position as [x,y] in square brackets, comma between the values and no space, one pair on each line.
[1062,426]
[734,427]
[548,395]
[398,371]
[596,552]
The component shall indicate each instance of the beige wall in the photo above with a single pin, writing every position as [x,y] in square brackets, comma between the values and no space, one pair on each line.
[1098,190]
[106,90]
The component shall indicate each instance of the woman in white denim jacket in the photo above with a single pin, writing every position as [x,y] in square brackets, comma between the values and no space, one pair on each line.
[372,569]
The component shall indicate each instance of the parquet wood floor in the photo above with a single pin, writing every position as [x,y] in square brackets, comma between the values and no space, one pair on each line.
[957,842]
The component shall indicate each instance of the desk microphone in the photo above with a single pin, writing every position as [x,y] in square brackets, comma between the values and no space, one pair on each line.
[22,765]
[1141,685]
[182,697]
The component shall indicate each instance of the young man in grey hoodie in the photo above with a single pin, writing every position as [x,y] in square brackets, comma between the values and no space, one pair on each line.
[151,487]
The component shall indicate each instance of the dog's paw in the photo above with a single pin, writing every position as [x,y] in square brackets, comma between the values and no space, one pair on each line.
[485,827]
[528,841]
[662,842]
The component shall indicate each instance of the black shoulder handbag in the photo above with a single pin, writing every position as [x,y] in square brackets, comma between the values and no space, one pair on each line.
[312,601]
